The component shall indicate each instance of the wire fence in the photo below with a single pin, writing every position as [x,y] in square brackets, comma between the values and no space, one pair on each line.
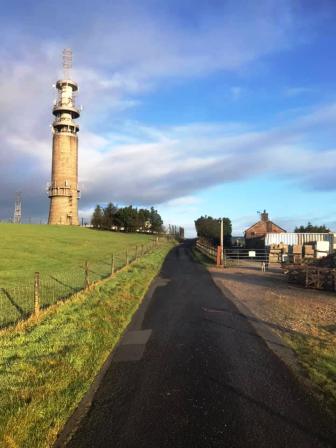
[18,303]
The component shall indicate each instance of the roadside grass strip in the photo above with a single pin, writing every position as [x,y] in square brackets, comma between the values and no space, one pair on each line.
[317,356]
[201,258]
[47,365]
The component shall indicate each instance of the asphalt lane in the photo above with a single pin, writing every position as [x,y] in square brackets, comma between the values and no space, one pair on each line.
[187,374]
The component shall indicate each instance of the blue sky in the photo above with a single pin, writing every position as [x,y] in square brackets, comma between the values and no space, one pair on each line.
[210,107]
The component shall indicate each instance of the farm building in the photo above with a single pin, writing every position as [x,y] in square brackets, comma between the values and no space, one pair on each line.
[322,243]
[255,235]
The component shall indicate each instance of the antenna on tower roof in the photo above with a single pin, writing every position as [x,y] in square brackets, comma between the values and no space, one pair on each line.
[67,62]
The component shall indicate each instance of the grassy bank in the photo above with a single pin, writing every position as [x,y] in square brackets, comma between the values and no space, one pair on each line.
[60,255]
[47,366]
[201,258]
[313,339]
[318,358]
[27,248]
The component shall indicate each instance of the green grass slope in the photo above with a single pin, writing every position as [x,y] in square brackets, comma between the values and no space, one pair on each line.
[27,248]
[49,364]
[59,254]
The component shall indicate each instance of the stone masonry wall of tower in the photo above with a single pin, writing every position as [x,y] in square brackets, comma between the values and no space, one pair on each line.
[63,189]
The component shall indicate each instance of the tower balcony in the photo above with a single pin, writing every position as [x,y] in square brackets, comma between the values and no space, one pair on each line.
[62,122]
[61,108]
[64,191]
[66,82]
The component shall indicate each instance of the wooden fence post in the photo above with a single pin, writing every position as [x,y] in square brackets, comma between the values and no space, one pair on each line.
[126,257]
[136,252]
[86,275]
[112,265]
[219,255]
[37,293]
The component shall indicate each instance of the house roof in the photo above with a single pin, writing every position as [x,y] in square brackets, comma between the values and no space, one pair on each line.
[266,222]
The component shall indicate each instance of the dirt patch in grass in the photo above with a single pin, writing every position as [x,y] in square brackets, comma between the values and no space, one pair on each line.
[47,366]
[305,320]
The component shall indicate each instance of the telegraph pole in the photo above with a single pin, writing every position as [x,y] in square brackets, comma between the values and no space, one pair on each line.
[222,239]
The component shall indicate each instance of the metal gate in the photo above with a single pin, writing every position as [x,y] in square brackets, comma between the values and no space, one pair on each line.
[245,257]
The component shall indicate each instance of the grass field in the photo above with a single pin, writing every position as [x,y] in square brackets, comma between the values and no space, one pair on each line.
[48,365]
[27,248]
[59,254]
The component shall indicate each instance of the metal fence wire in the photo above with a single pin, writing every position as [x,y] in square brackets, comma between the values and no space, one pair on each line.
[45,289]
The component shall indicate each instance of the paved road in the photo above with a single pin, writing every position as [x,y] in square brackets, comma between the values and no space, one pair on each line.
[188,375]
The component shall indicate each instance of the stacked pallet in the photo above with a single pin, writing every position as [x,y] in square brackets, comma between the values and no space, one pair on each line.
[295,254]
[308,251]
[275,254]
[278,252]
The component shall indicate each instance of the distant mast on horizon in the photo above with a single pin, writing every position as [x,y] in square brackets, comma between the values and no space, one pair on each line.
[63,190]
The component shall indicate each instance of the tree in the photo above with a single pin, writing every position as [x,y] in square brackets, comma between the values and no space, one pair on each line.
[97,217]
[209,228]
[155,220]
[128,218]
[309,228]
[144,219]
[109,216]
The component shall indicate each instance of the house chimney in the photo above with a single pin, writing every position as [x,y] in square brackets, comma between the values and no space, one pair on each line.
[264,216]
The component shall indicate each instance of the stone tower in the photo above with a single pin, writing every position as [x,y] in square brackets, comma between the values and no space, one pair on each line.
[63,189]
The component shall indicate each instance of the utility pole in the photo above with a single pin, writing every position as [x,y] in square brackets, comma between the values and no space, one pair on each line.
[222,239]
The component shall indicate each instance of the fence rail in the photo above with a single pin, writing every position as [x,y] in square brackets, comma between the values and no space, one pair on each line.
[207,250]
[18,303]
[234,256]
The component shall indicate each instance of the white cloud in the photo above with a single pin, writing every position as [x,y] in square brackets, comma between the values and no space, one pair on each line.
[184,201]
[121,51]
[297,91]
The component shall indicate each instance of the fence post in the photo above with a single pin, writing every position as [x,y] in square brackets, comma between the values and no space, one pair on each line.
[86,274]
[37,293]
[112,265]
[136,252]
[126,257]
[219,255]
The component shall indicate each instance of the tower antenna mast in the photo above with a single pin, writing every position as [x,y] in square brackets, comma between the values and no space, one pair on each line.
[67,62]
